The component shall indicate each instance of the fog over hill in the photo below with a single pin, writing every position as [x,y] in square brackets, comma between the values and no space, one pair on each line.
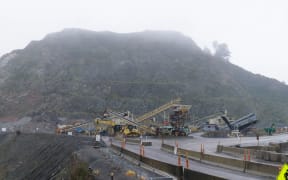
[78,73]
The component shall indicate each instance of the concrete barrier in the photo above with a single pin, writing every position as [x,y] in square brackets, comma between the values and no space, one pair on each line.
[228,162]
[167,148]
[250,165]
[235,150]
[271,156]
[258,154]
[163,166]
[146,143]
[284,158]
[271,147]
[192,154]
[175,170]
[262,168]
[172,169]
[118,138]
[283,147]
[132,141]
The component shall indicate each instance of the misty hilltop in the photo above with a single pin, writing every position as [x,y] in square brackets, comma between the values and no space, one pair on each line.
[78,73]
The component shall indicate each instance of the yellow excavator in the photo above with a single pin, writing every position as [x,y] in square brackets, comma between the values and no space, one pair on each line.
[130,131]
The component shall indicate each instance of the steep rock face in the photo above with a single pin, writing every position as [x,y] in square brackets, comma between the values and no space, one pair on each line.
[79,73]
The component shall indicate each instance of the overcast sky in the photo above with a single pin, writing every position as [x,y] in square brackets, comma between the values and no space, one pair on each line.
[256,31]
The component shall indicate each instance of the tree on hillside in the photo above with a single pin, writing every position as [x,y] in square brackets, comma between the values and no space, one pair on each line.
[221,50]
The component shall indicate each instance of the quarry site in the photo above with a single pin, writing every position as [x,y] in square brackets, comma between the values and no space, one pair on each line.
[119,145]
[138,104]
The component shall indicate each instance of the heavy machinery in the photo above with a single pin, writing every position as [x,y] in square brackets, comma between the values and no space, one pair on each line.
[124,124]
[104,126]
[214,118]
[270,130]
[242,123]
[144,126]
[178,117]
[130,131]
[165,130]
[111,124]
[131,128]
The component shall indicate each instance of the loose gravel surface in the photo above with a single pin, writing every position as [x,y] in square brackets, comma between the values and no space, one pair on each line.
[104,161]
[43,156]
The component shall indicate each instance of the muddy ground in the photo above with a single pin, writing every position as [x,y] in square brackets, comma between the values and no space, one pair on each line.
[48,156]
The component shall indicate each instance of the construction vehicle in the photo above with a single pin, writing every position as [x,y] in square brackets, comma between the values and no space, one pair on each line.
[210,127]
[209,123]
[270,130]
[193,128]
[104,126]
[181,131]
[130,131]
[242,123]
[165,130]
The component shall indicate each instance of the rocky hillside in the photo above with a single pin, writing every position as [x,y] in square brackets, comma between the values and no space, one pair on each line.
[78,73]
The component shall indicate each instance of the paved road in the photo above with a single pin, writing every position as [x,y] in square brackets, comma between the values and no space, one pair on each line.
[194,143]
